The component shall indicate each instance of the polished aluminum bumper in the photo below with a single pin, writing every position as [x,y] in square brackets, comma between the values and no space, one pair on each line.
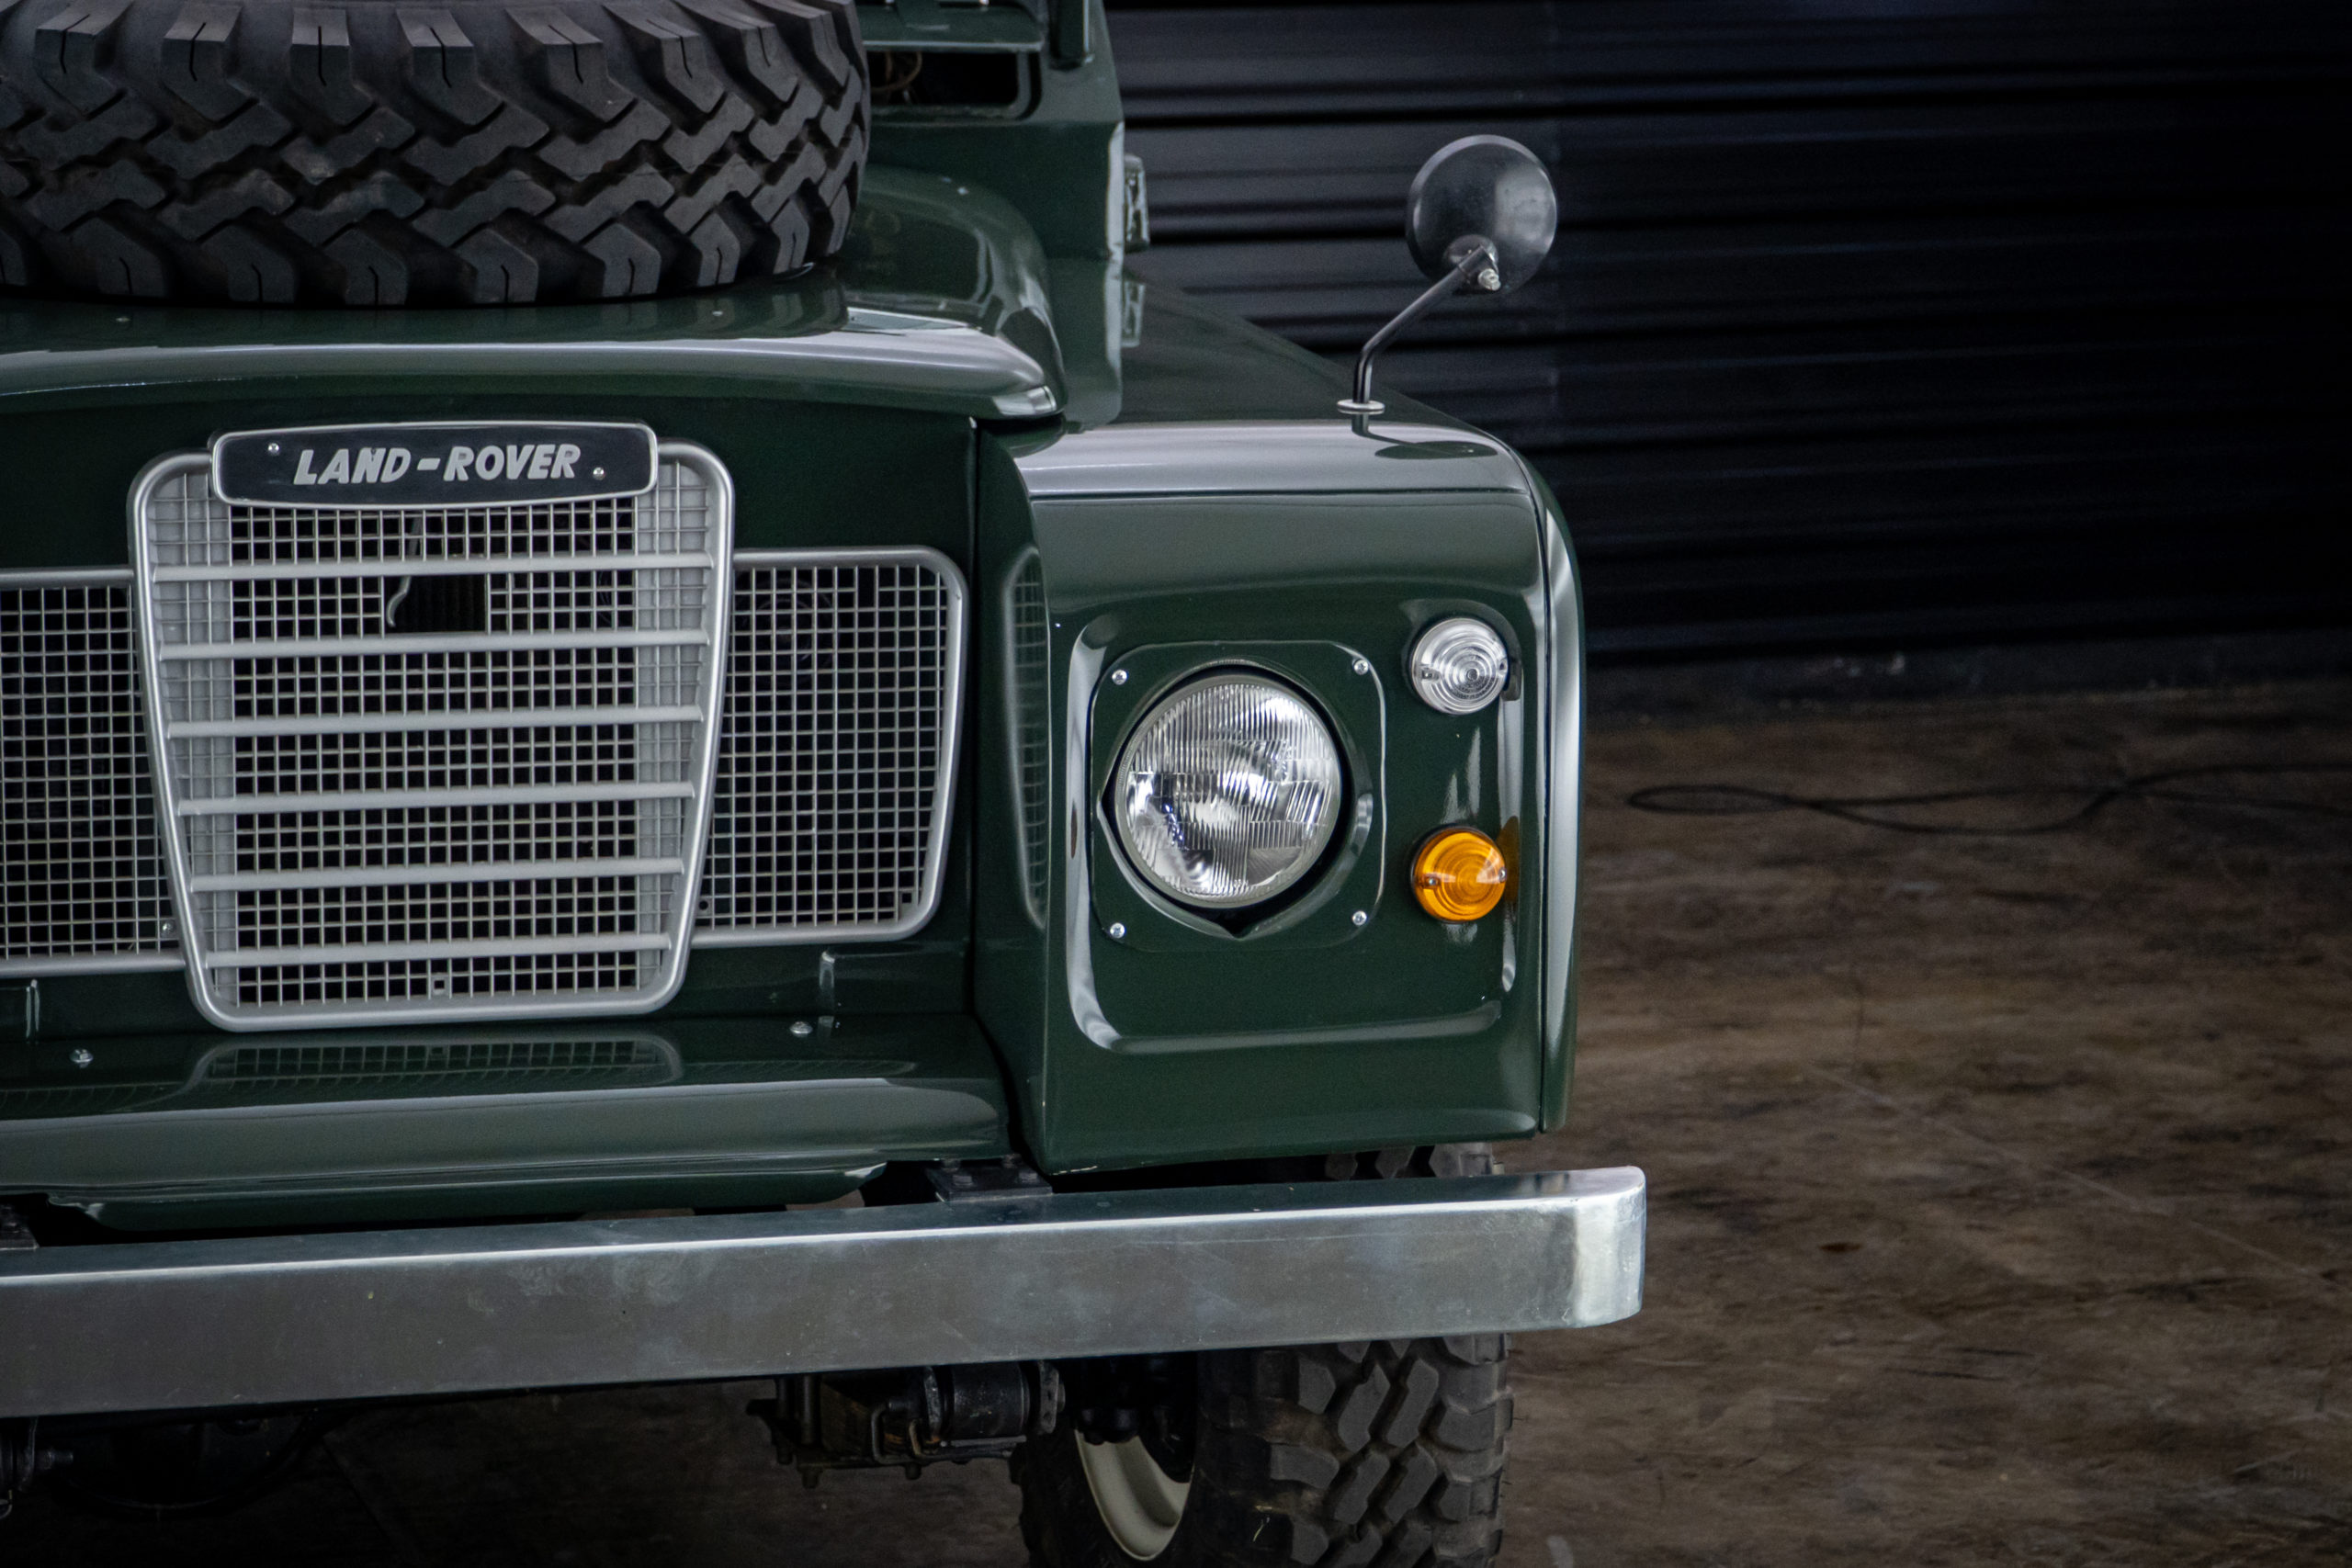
[292,1319]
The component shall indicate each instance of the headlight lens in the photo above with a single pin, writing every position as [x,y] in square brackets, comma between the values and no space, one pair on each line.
[1460,665]
[1228,792]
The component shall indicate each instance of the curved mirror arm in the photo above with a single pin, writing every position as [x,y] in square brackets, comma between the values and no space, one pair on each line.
[1477,269]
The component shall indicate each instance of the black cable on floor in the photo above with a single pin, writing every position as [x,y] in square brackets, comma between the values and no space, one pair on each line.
[1740,800]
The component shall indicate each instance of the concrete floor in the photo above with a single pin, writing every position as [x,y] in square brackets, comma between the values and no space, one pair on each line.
[2000,1201]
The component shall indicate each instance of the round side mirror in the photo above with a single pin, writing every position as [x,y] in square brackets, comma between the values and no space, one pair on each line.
[1482,187]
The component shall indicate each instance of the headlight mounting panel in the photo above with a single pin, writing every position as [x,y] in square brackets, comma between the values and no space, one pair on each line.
[1320,911]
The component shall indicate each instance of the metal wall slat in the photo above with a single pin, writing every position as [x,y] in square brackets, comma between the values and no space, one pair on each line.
[1868,291]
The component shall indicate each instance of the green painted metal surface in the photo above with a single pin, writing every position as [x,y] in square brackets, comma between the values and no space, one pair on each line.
[181,1131]
[1274,535]
[930,308]
[1060,160]
[1129,481]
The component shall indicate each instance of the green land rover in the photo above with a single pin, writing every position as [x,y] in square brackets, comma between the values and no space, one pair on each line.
[655,725]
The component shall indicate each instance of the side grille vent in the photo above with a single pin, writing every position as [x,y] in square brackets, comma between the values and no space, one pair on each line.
[490,806]
[837,752]
[1029,645]
[370,1065]
[81,883]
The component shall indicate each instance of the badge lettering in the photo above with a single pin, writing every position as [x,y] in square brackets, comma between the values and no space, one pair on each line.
[396,465]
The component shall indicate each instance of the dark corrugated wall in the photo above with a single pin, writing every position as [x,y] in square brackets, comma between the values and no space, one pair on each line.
[1870,323]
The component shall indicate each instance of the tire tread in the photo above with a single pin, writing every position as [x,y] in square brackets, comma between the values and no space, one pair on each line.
[296,151]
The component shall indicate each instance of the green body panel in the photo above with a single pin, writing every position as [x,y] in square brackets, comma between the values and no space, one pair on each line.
[1127,479]
[180,1130]
[939,319]
[1564,921]
[1061,162]
[1251,525]
[1177,1043]
[804,473]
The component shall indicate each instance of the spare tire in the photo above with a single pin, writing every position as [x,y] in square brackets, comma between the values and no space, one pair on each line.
[378,153]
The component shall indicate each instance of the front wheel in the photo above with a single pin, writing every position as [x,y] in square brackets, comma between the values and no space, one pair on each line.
[1382,1455]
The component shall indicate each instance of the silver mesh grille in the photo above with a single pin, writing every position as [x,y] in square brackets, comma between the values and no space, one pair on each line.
[492,809]
[831,806]
[837,752]
[82,882]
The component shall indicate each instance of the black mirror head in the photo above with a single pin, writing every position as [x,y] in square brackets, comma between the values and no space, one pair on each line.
[1482,187]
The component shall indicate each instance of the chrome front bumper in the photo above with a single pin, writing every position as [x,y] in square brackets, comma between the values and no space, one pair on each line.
[296,1319]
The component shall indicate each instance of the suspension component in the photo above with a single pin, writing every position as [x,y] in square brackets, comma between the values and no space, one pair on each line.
[908,1418]
[23,1457]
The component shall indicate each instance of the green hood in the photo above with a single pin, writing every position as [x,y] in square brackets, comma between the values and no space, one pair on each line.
[938,302]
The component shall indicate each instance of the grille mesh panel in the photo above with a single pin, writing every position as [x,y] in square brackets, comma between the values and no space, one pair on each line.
[828,820]
[350,709]
[286,536]
[527,980]
[838,745]
[432,836]
[81,870]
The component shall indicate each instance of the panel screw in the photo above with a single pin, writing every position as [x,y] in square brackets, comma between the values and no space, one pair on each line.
[1360,918]
[1118,677]
[273,448]
[802,1028]
[82,1057]
[1362,666]
[1118,931]
[596,473]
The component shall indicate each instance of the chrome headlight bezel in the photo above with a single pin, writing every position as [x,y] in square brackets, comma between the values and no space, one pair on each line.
[1320,776]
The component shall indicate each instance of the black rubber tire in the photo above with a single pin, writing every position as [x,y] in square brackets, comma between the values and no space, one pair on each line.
[1387,1455]
[375,152]
[1384,1455]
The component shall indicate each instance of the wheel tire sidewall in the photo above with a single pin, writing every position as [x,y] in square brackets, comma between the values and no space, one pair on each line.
[1061,1520]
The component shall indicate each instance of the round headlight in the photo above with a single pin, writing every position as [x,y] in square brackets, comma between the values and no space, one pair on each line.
[1228,791]
[1460,665]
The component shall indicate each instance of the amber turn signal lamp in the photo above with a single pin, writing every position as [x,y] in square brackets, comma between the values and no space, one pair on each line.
[1460,875]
